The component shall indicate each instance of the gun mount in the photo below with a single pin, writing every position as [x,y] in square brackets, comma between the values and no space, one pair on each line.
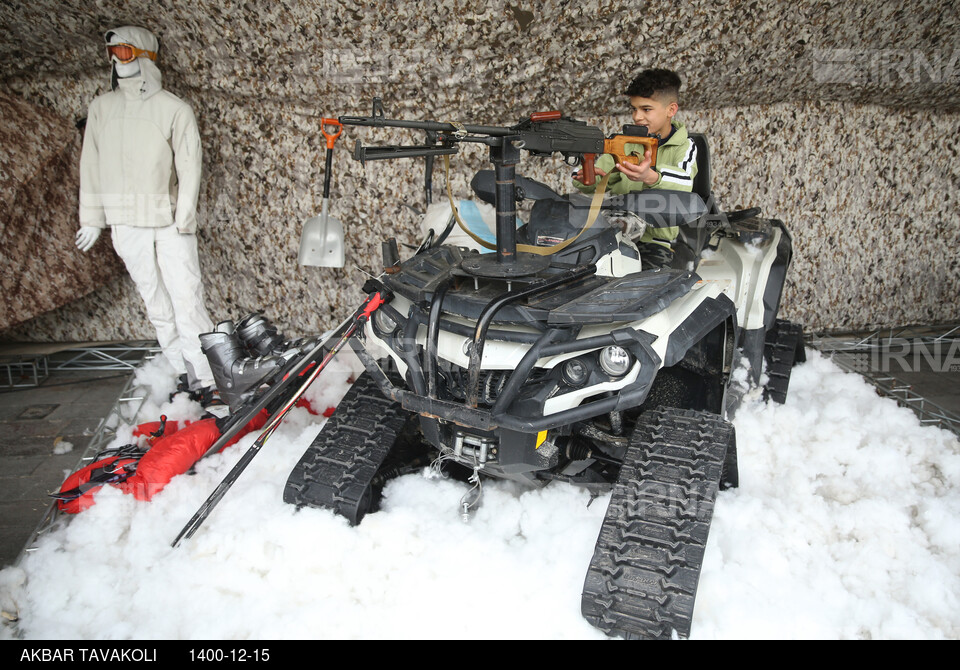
[543,133]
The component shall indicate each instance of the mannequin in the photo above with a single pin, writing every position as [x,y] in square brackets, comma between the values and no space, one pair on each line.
[140,174]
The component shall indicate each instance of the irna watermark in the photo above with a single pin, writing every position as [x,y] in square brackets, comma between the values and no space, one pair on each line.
[908,356]
[862,67]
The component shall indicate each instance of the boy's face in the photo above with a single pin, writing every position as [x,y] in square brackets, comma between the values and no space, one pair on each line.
[653,113]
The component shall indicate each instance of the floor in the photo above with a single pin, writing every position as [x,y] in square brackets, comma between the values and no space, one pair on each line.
[68,405]
[37,426]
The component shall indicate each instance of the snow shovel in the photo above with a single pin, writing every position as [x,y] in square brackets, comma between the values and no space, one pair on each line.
[321,240]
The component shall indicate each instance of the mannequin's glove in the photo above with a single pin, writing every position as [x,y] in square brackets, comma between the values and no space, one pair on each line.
[87,236]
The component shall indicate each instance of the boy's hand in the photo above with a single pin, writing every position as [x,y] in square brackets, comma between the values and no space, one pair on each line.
[578,176]
[641,172]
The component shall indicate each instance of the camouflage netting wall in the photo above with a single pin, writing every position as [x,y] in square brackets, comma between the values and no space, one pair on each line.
[840,119]
[39,152]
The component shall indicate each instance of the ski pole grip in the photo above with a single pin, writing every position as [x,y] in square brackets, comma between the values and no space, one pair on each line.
[372,305]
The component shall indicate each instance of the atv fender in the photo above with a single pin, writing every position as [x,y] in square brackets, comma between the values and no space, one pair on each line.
[751,275]
[708,315]
[777,276]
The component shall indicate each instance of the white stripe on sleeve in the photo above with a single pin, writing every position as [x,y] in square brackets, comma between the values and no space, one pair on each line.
[682,176]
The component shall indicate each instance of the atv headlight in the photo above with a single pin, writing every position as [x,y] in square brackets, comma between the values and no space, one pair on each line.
[574,372]
[615,360]
[383,322]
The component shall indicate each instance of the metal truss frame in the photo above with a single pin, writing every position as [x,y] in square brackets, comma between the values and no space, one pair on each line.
[124,410]
[111,356]
[848,351]
[36,368]
[30,370]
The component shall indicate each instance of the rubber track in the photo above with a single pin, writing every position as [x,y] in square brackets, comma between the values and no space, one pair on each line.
[337,471]
[643,578]
[783,349]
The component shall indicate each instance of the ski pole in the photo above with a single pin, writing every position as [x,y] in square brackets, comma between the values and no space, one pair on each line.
[286,377]
[372,303]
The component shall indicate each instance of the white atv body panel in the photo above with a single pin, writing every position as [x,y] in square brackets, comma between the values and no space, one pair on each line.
[742,270]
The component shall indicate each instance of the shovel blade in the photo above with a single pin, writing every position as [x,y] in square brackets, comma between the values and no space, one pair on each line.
[321,243]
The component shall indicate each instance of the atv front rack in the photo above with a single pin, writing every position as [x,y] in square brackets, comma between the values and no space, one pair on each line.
[553,341]
[497,417]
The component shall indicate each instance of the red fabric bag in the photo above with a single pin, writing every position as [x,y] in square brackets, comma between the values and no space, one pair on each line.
[172,454]
[76,492]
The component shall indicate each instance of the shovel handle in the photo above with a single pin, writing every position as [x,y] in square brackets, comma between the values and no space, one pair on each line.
[331,137]
[326,175]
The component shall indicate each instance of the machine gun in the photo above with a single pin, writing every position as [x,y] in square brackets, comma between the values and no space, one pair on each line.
[543,133]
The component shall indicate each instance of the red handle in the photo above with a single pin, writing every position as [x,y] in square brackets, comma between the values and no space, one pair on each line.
[589,171]
[545,116]
[330,137]
[373,304]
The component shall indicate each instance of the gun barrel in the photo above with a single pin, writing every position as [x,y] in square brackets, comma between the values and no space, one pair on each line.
[435,126]
[363,154]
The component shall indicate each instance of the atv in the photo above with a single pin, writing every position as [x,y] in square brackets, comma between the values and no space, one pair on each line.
[577,364]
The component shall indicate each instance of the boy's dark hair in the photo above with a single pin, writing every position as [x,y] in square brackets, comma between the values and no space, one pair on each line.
[657,81]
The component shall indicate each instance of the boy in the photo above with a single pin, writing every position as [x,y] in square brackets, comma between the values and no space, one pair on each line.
[654,100]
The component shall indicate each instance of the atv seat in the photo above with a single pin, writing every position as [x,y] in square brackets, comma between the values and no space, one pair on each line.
[660,208]
[693,238]
[701,182]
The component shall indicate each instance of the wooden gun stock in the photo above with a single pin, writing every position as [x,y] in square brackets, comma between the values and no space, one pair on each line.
[616,146]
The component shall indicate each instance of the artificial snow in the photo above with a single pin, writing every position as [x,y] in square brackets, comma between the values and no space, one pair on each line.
[846,525]
[61,446]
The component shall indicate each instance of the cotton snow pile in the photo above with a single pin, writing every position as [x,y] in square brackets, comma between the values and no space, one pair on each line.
[846,525]
[61,446]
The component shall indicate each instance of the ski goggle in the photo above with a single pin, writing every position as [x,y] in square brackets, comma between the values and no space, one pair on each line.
[126,53]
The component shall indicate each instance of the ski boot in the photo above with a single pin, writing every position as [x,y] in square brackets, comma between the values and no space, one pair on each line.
[259,336]
[237,375]
[207,396]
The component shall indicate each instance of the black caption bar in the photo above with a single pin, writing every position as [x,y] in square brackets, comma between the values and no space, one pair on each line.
[161,651]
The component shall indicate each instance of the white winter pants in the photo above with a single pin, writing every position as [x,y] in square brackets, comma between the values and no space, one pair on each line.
[165,266]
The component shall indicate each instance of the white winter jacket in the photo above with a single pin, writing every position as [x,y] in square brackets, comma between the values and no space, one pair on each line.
[141,158]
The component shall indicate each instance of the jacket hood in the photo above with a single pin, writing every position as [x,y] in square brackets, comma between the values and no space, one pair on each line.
[149,72]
